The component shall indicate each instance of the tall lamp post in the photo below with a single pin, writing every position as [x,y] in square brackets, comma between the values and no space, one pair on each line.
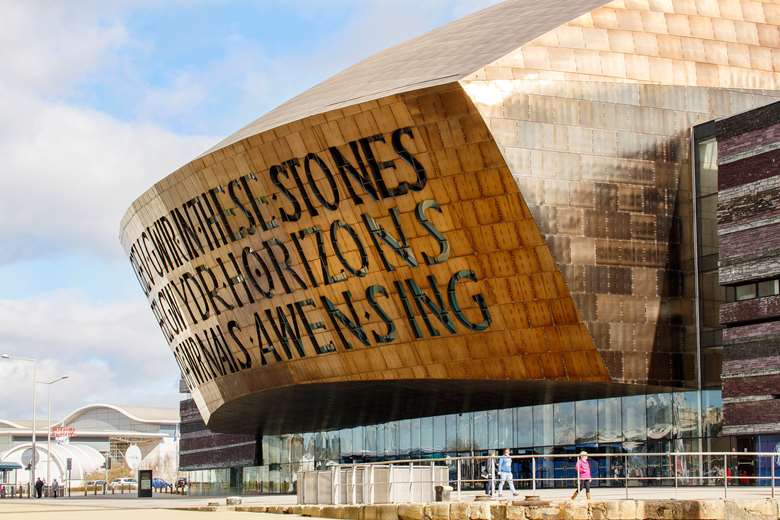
[34,404]
[48,432]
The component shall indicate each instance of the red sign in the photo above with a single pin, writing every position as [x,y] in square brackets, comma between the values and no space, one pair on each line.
[63,431]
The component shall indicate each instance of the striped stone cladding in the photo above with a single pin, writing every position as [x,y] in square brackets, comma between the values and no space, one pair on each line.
[749,250]
[200,448]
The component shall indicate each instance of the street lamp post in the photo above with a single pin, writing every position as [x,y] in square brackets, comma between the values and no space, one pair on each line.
[48,432]
[34,404]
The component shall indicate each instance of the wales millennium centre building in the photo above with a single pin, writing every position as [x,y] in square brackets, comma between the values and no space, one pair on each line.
[546,226]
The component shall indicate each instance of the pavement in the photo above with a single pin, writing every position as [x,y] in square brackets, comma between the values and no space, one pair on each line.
[128,507]
[165,507]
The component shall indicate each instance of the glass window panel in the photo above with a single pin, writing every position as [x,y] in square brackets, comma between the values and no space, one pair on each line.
[768,288]
[481,431]
[712,412]
[464,432]
[746,291]
[296,447]
[273,449]
[426,435]
[610,420]
[505,423]
[284,448]
[564,423]
[404,437]
[492,420]
[414,425]
[333,440]
[440,433]
[543,425]
[391,440]
[524,427]
[587,424]
[320,446]
[369,448]
[357,441]
[708,225]
[380,440]
[452,432]
[686,413]
[346,443]
[660,416]
[707,165]
[634,417]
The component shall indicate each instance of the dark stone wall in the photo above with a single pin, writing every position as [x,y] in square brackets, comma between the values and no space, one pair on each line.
[749,238]
[200,448]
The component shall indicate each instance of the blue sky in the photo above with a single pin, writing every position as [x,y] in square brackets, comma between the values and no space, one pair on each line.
[100,100]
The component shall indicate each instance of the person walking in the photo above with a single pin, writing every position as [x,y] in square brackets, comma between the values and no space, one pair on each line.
[39,487]
[488,472]
[505,472]
[55,487]
[583,475]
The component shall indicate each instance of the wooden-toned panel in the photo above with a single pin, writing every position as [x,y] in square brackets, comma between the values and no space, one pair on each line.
[383,242]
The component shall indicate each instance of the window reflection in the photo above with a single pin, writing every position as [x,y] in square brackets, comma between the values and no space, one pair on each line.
[391,439]
[480,431]
[634,418]
[686,413]
[623,425]
[586,414]
[712,413]
[563,423]
[505,423]
[659,416]
[610,420]
[524,430]
[426,435]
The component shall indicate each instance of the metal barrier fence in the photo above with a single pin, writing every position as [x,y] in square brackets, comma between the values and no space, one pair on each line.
[678,469]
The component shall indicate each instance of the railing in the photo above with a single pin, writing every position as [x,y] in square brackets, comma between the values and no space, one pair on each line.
[678,469]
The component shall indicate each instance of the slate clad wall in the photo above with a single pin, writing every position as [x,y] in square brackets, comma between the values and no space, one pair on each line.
[200,448]
[749,234]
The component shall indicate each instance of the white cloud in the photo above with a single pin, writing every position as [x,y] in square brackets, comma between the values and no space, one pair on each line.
[45,46]
[68,172]
[111,352]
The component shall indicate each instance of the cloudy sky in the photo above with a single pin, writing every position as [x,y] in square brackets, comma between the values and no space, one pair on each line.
[98,100]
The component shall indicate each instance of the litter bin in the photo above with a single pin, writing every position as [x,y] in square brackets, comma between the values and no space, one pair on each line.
[443,493]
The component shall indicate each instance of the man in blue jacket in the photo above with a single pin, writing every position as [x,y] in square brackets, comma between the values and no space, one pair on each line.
[505,472]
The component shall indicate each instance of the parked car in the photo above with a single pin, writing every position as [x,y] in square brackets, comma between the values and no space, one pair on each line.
[158,483]
[124,482]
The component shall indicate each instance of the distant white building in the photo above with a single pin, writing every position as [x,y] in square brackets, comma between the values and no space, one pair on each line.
[96,432]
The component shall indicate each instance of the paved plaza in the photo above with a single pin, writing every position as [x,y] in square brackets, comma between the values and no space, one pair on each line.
[172,506]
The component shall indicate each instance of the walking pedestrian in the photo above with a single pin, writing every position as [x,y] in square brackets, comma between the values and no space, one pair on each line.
[505,472]
[583,475]
[55,487]
[488,472]
[39,487]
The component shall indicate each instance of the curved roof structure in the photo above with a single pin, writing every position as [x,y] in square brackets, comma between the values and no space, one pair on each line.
[85,459]
[136,413]
[443,55]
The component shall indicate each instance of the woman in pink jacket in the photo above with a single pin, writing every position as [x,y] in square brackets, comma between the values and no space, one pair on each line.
[583,475]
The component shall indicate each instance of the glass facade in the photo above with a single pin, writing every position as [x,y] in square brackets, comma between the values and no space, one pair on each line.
[632,424]
[711,293]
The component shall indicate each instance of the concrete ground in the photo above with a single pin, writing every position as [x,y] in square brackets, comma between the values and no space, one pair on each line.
[162,507]
[165,507]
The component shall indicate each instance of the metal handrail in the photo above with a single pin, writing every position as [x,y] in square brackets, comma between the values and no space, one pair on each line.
[719,460]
